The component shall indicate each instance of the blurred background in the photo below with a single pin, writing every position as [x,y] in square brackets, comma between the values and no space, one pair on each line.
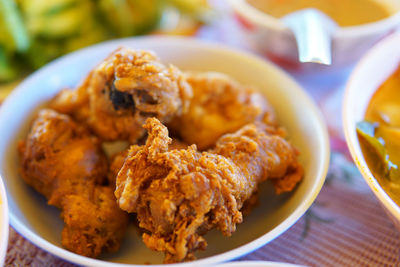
[34,32]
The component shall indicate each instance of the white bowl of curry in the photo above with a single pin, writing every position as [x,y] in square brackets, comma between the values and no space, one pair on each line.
[370,111]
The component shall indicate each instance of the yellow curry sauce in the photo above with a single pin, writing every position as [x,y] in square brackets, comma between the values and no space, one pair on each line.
[344,12]
[384,111]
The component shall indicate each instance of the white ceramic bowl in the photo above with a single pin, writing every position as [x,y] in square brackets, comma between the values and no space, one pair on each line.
[377,65]
[41,224]
[3,223]
[273,39]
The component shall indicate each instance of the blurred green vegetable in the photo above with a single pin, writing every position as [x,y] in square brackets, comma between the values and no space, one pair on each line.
[13,39]
[131,17]
[13,35]
[192,7]
[58,27]
[37,31]
[56,19]
[7,71]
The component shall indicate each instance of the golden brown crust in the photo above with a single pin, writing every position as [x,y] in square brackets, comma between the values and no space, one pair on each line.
[220,105]
[123,91]
[177,192]
[94,223]
[62,161]
[60,157]
[178,195]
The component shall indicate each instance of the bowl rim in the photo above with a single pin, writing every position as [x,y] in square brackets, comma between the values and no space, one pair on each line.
[4,222]
[258,17]
[202,45]
[349,128]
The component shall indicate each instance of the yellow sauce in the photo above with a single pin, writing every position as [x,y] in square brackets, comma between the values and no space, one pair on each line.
[384,108]
[344,12]
[387,95]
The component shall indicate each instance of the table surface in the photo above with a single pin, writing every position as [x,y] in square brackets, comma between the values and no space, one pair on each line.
[345,226]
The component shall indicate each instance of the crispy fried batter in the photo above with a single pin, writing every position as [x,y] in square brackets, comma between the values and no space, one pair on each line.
[62,161]
[119,94]
[93,223]
[117,160]
[220,105]
[178,195]
[60,157]
[255,150]
[177,192]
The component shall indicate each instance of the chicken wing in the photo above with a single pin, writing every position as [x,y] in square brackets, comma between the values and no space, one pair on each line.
[179,195]
[220,105]
[62,161]
[119,95]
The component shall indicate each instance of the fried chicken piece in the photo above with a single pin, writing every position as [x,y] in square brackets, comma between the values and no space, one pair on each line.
[123,91]
[94,223]
[60,157]
[220,105]
[179,195]
[254,149]
[62,161]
